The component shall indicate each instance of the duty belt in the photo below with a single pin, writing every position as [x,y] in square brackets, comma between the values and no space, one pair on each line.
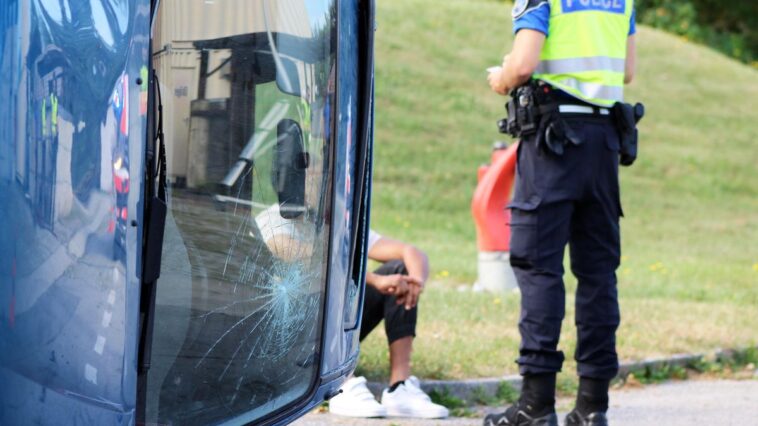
[535,110]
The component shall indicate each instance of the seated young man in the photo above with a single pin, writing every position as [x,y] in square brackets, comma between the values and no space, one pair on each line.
[392,294]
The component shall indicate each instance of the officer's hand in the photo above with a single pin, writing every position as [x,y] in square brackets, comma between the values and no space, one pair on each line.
[495,80]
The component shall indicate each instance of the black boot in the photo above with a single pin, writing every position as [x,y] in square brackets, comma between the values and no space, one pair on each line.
[593,419]
[591,403]
[535,407]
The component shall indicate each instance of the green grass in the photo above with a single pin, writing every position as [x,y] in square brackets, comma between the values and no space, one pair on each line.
[739,364]
[457,406]
[689,275]
[504,395]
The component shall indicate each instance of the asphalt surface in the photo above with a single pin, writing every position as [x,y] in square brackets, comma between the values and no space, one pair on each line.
[687,403]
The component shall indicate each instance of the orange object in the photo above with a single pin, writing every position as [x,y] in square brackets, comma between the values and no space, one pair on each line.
[491,197]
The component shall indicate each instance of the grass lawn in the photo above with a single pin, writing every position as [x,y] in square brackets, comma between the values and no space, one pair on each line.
[689,274]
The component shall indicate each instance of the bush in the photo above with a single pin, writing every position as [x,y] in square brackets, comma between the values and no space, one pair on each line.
[727,27]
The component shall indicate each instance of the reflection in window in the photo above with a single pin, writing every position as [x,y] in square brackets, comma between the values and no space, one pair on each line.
[248,90]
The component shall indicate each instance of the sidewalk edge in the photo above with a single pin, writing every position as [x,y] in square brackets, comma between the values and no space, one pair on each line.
[469,389]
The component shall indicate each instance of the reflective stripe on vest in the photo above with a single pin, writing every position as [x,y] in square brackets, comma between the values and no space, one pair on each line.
[585,51]
[571,65]
[592,90]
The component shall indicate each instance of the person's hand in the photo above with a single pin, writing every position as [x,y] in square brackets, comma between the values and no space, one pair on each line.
[410,298]
[395,285]
[495,79]
[414,293]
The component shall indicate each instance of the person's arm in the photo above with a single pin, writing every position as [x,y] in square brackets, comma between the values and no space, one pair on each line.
[520,64]
[631,59]
[396,284]
[415,260]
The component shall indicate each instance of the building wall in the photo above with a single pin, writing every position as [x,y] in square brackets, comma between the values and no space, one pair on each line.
[182,22]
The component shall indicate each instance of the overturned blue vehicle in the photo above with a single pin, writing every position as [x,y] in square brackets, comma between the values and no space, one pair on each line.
[156,158]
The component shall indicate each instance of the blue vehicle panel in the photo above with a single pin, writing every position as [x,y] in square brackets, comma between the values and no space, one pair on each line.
[71,140]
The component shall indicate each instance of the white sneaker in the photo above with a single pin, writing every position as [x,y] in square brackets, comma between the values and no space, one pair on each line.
[356,401]
[408,400]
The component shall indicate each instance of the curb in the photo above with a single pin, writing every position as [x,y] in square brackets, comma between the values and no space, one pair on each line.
[462,389]
[681,360]
[472,389]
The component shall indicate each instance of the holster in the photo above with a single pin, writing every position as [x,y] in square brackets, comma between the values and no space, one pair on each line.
[523,112]
[626,117]
[533,110]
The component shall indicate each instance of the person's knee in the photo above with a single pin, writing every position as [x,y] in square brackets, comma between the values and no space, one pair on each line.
[392,267]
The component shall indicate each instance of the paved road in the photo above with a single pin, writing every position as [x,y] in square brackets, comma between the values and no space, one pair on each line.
[687,403]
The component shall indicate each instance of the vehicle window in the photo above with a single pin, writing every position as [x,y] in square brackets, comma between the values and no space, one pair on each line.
[248,101]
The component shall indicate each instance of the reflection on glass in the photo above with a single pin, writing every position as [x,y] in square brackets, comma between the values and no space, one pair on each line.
[248,89]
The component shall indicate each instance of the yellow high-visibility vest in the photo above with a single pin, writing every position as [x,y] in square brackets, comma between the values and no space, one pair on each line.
[585,52]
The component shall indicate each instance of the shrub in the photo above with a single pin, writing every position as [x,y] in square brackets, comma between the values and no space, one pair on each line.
[727,27]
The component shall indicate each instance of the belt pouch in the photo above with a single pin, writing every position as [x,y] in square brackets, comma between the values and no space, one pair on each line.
[623,115]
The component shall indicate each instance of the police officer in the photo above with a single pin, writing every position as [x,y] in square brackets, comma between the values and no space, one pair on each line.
[575,57]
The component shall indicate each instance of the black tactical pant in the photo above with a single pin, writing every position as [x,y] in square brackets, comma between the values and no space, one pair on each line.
[398,322]
[570,199]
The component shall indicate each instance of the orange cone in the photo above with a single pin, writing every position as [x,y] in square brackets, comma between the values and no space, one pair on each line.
[492,220]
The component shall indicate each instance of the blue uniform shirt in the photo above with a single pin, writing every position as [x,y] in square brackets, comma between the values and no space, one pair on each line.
[537,19]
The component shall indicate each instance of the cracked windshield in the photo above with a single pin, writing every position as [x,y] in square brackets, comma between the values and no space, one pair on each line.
[248,92]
